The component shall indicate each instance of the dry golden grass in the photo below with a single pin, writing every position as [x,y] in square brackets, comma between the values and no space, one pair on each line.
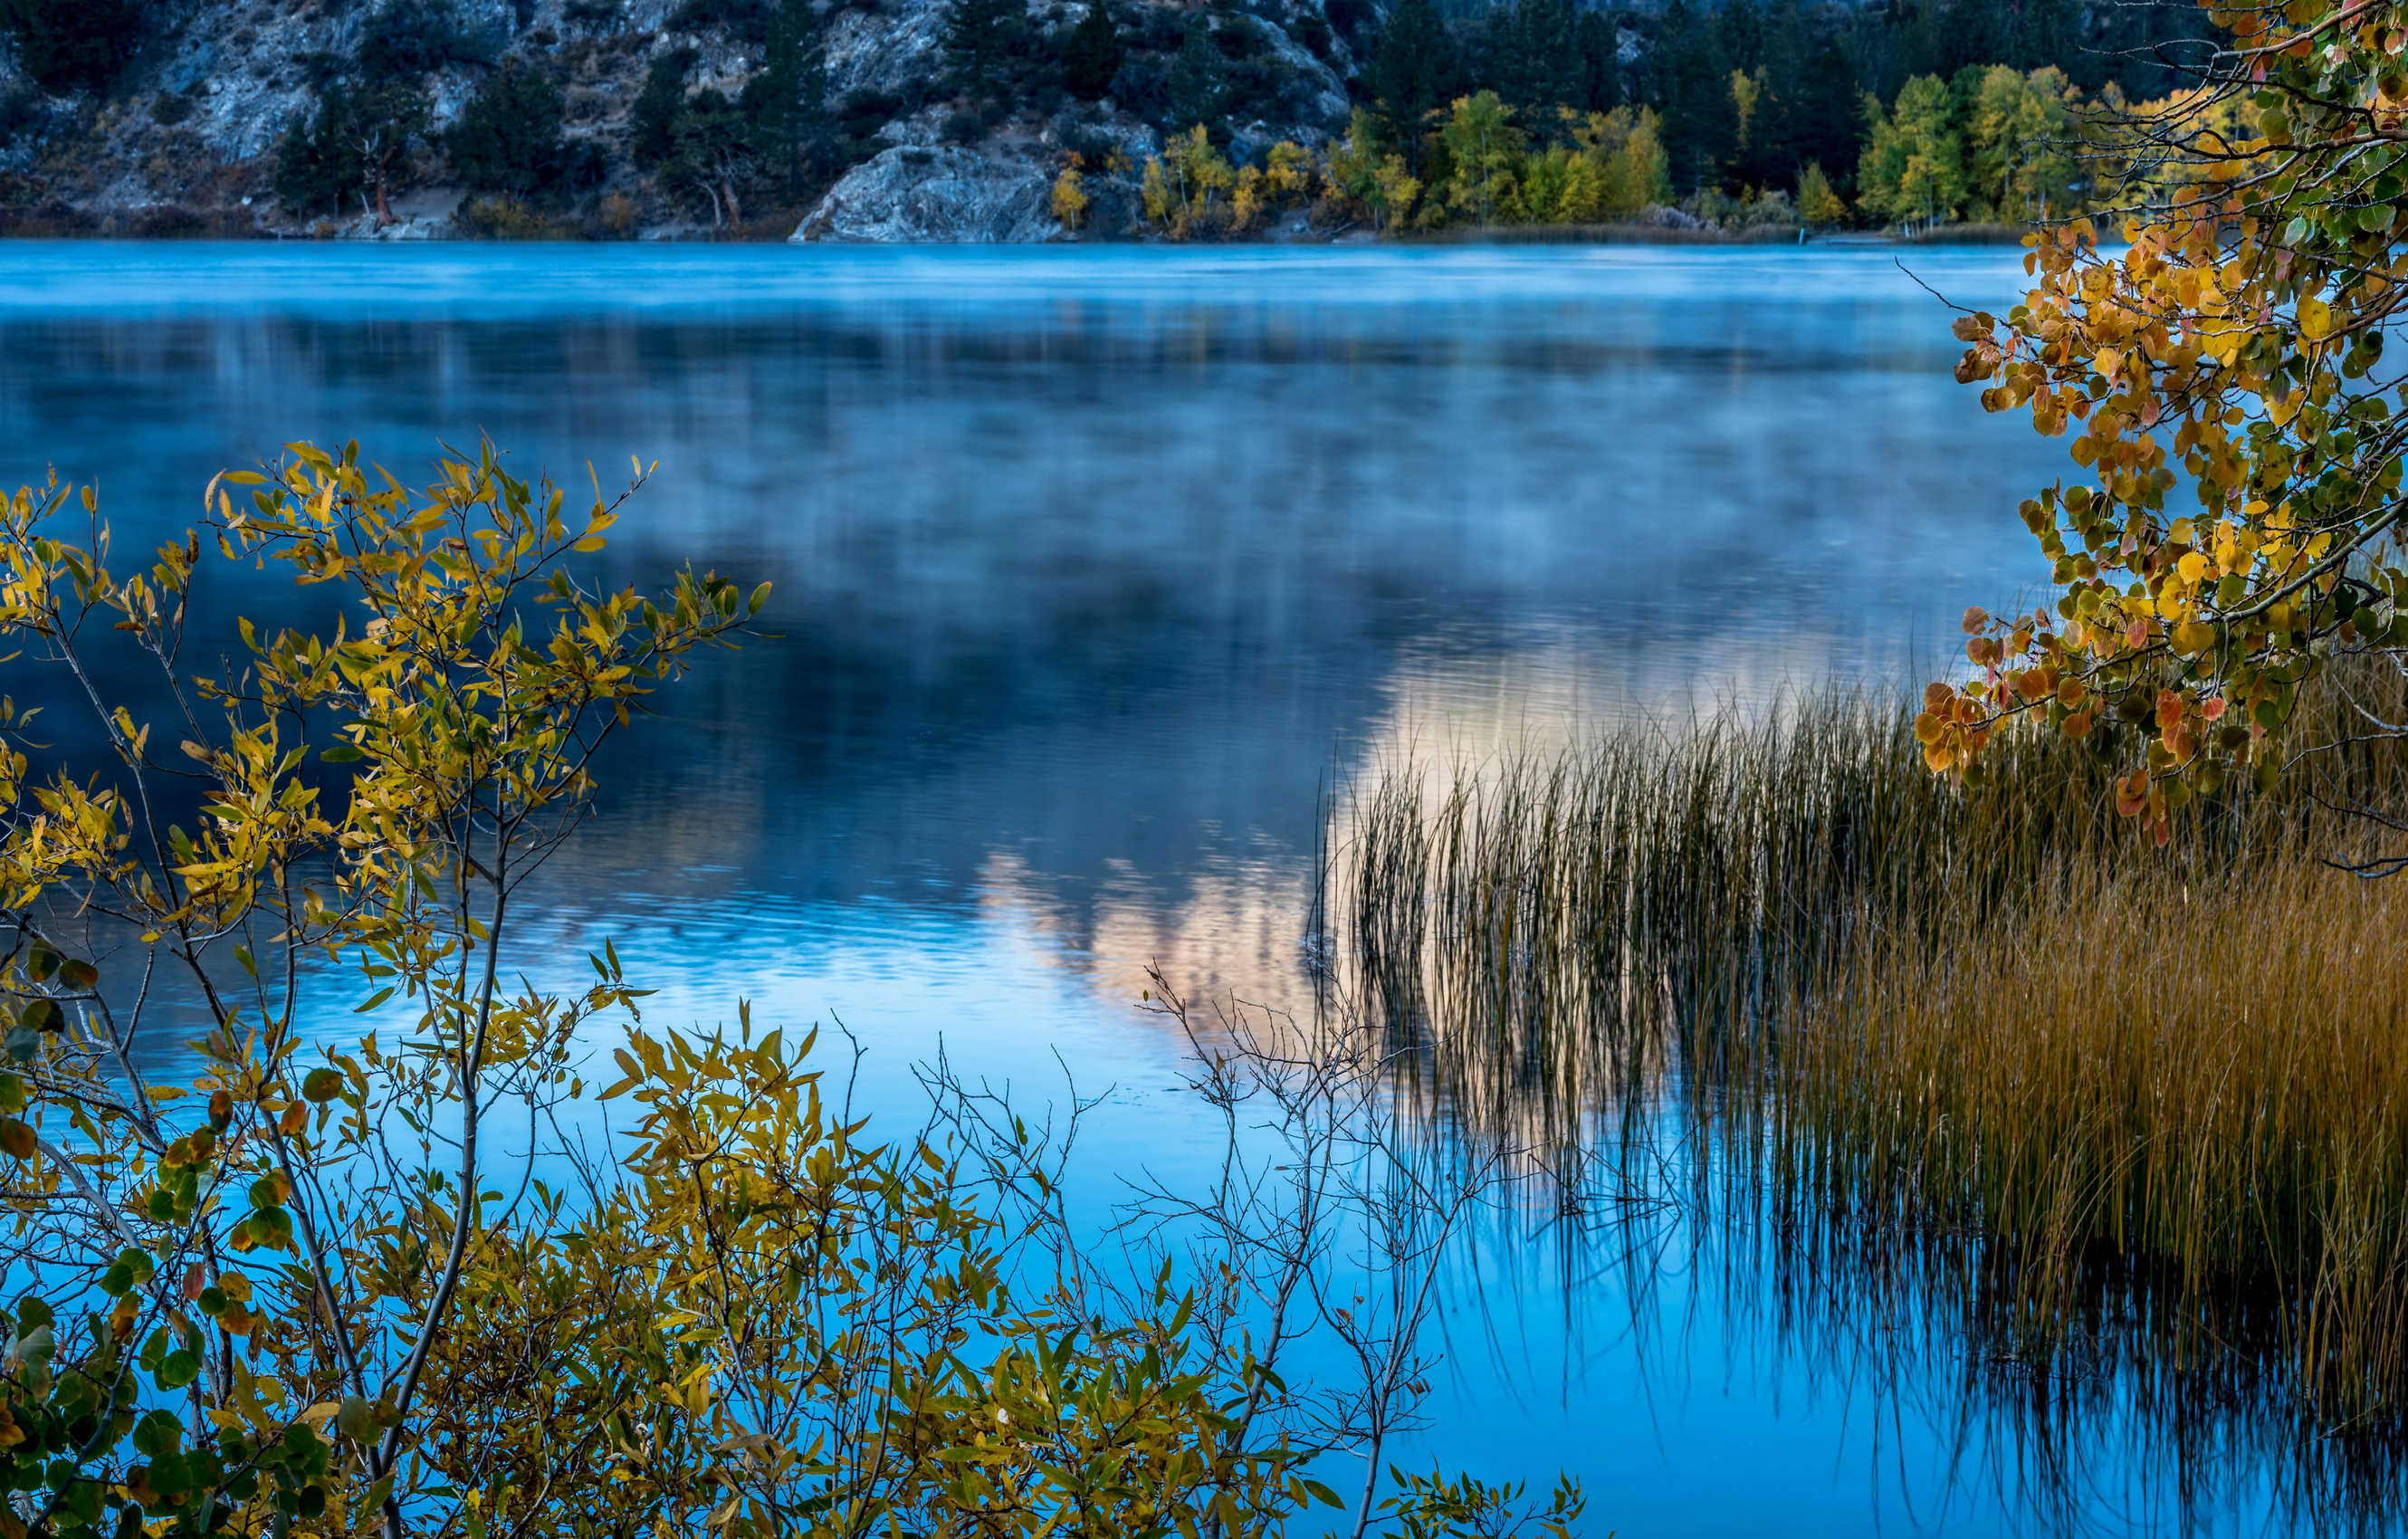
[1989,1009]
[2207,1075]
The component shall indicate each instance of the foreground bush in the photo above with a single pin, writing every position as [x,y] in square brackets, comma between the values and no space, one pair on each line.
[327,1288]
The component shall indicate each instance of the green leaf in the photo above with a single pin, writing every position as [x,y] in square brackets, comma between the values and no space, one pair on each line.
[158,1435]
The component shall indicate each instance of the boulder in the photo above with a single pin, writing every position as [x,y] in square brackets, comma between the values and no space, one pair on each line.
[942,195]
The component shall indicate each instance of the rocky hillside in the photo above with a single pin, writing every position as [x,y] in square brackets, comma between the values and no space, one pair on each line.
[858,120]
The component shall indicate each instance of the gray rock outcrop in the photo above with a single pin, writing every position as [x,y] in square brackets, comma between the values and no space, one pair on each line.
[945,195]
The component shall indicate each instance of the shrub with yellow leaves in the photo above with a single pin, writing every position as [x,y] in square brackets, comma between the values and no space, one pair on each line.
[2237,523]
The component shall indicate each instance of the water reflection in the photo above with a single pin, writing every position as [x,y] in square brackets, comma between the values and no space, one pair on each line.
[1096,570]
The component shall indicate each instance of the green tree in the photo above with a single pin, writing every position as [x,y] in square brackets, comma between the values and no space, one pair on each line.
[1415,72]
[1913,165]
[407,40]
[2230,352]
[2022,139]
[1628,146]
[1366,170]
[1817,203]
[1598,76]
[714,153]
[71,45]
[1484,152]
[651,120]
[386,122]
[1689,84]
[786,103]
[986,47]
[1534,62]
[1199,82]
[507,136]
[318,160]
[1092,54]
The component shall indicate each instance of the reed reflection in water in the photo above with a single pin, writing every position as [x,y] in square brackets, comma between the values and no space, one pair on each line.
[2098,1153]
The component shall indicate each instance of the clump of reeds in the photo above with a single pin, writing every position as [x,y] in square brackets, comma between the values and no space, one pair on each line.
[2204,1072]
[1989,1006]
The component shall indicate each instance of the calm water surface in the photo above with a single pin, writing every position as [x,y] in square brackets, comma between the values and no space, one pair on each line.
[1093,568]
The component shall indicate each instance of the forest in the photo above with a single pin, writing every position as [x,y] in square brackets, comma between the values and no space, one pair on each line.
[1903,112]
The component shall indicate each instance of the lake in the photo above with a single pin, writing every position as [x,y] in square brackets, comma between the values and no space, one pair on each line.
[1096,570]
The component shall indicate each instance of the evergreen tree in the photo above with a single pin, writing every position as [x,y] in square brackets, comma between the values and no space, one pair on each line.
[386,120]
[651,121]
[1199,82]
[714,151]
[1416,72]
[786,103]
[507,139]
[69,45]
[1691,88]
[985,42]
[1092,54]
[409,39]
[1534,63]
[1600,64]
[1740,33]
[1826,117]
[318,163]
[2046,34]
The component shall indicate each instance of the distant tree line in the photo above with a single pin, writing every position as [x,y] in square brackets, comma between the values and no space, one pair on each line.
[1751,94]
[1898,110]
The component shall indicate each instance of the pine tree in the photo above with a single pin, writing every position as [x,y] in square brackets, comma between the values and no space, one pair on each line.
[984,43]
[714,152]
[318,164]
[1199,82]
[1092,54]
[1416,72]
[786,103]
[1600,64]
[69,45]
[507,139]
[385,121]
[1826,118]
[1691,88]
[1534,62]
[651,121]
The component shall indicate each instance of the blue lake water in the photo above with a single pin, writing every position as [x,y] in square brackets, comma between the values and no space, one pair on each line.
[1094,568]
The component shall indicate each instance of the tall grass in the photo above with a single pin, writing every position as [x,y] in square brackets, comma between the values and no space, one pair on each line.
[1988,1009]
[2204,1076]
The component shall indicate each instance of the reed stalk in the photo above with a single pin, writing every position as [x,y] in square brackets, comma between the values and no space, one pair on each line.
[1918,1007]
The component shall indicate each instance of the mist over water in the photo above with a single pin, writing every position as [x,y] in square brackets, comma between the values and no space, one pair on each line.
[1095,570]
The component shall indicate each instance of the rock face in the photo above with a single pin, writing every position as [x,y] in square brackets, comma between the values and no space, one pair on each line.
[891,49]
[948,196]
[185,142]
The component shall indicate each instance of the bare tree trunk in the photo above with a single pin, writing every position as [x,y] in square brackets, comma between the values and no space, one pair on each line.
[383,203]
